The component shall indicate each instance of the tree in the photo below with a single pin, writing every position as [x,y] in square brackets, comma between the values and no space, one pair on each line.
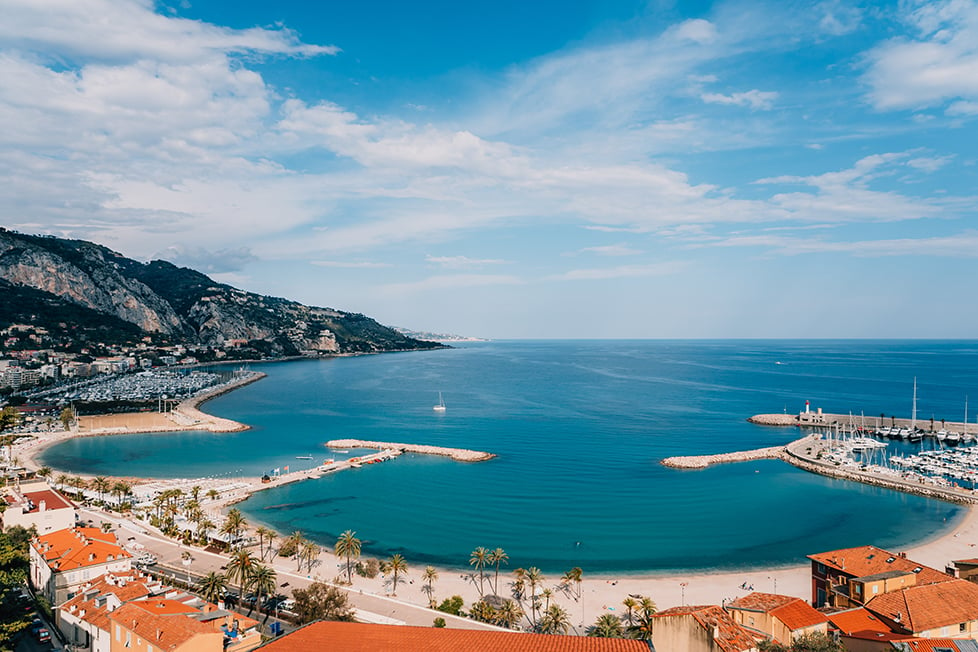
[478,559]
[606,626]
[240,566]
[67,418]
[509,614]
[497,557]
[310,552]
[212,586]
[396,565]
[14,568]
[320,601]
[555,620]
[482,611]
[642,629]
[519,583]
[234,522]
[452,605]
[121,489]
[813,642]
[575,576]
[630,603]
[348,547]
[44,472]
[9,418]
[203,525]
[262,533]
[101,485]
[429,576]
[261,580]
[213,494]
[534,577]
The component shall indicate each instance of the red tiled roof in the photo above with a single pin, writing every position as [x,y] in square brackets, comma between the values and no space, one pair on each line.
[870,560]
[78,547]
[931,644]
[857,620]
[165,607]
[362,637]
[133,589]
[730,636]
[921,608]
[798,614]
[162,632]
[763,602]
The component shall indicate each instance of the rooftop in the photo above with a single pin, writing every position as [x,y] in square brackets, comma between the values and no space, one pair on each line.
[78,547]
[869,560]
[362,637]
[921,608]
[730,636]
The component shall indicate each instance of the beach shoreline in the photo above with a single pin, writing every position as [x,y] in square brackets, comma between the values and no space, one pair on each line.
[600,592]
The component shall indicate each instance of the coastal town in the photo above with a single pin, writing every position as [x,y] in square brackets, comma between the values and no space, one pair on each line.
[117,560]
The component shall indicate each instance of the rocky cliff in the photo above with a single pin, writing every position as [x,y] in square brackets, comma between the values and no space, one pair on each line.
[180,304]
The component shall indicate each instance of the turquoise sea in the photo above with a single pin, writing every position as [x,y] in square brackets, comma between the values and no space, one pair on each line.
[579,428]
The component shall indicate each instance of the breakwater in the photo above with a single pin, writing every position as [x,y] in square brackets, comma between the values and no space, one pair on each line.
[703,461]
[460,454]
[819,419]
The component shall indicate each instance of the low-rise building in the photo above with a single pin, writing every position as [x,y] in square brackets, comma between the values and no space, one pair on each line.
[133,611]
[781,618]
[35,503]
[851,577]
[63,560]
[942,610]
[705,628]
[364,637]
[861,631]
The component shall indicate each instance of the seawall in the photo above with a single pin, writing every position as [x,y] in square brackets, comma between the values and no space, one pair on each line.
[460,454]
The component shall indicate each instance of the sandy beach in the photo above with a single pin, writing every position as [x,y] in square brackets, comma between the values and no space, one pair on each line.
[599,594]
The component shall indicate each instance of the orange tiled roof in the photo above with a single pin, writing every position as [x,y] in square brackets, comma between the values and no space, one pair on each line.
[857,620]
[931,644]
[920,608]
[730,637]
[363,637]
[78,547]
[164,607]
[133,588]
[763,602]
[162,632]
[798,614]
[870,560]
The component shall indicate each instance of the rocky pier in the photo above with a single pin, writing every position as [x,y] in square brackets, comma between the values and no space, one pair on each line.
[460,454]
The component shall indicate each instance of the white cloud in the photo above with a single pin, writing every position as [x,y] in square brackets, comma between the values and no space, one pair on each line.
[940,65]
[459,262]
[448,282]
[127,30]
[349,264]
[961,245]
[755,99]
[622,271]
[929,163]
[611,250]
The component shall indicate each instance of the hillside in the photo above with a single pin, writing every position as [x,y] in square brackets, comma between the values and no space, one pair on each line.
[74,286]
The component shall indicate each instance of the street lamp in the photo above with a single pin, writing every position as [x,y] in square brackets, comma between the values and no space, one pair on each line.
[682,589]
[772,577]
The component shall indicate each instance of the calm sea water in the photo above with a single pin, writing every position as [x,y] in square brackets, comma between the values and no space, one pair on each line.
[579,428]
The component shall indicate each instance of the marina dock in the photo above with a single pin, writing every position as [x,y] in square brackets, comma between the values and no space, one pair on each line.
[819,419]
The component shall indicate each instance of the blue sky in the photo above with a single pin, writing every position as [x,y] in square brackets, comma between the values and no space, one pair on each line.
[514,169]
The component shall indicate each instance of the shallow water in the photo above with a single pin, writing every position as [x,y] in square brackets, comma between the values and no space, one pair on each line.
[578,428]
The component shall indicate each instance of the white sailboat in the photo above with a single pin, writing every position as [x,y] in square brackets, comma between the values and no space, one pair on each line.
[441,404]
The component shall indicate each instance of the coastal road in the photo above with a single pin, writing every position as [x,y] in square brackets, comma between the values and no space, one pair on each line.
[370,607]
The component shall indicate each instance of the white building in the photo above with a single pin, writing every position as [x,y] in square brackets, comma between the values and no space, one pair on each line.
[64,560]
[35,503]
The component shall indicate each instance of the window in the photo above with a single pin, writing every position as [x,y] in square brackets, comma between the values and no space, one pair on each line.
[118,632]
[963,627]
[876,589]
[820,568]
[128,639]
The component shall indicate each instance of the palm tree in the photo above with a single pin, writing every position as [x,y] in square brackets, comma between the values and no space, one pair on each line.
[195,493]
[310,551]
[429,576]
[497,557]
[62,480]
[396,564]
[519,584]
[262,581]
[121,489]
[606,626]
[213,494]
[211,586]
[233,523]
[629,603]
[479,557]
[348,546]
[547,594]
[509,614]
[534,577]
[240,567]
[101,485]
[643,628]
[555,620]
[575,575]
[203,525]
[44,472]
[262,531]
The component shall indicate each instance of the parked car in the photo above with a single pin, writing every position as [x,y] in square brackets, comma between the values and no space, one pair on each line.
[42,635]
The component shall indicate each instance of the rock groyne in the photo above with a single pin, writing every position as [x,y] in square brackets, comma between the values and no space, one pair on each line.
[703,461]
[460,454]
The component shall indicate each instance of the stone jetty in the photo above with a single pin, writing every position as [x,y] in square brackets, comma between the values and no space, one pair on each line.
[819,419]
[460,454]
[703,461]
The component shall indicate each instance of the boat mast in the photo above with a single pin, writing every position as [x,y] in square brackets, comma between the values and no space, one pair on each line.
[913,414]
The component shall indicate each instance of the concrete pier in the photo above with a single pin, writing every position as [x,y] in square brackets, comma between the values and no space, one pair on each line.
[819,419]
[460,454]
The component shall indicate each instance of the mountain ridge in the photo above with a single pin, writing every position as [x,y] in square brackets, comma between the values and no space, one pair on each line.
[103,290]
